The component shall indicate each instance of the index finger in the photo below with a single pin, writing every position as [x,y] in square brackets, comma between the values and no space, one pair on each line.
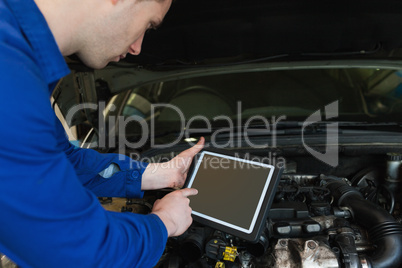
[188,192]
[196,148]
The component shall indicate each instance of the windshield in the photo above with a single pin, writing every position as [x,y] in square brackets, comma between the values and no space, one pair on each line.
[360,95]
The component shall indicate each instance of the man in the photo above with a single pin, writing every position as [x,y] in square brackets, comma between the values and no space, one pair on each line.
[50,216]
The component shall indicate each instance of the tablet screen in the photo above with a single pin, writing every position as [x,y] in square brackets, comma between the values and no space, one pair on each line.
[231,191]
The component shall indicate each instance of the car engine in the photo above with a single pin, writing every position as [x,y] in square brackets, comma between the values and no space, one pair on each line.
[316,220]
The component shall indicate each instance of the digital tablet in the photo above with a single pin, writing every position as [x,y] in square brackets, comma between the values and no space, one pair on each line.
[234,193]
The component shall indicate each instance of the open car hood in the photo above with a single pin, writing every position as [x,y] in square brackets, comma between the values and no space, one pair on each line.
[199,36]
[197,31]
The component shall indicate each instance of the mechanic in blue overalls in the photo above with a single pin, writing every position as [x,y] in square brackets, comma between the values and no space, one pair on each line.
[50,214]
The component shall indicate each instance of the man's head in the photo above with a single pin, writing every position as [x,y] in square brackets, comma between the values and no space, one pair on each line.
[101,31]
[118,29]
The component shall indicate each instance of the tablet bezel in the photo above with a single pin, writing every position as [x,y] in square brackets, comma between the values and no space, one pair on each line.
[259,218]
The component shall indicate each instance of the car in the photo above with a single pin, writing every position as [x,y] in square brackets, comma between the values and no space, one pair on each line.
[310,87]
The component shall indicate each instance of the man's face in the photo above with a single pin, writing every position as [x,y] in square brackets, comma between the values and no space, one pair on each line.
[121,31]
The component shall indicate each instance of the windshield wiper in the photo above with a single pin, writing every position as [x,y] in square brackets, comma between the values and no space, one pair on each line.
[297,128]
[291,128]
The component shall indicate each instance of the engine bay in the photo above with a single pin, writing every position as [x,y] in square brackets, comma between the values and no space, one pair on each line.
[316,220]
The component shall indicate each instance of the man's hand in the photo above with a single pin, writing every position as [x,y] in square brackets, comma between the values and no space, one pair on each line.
[170,174]
[174,211]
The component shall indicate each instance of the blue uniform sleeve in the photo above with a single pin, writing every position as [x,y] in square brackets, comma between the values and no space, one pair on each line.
[89,163]
[48,218]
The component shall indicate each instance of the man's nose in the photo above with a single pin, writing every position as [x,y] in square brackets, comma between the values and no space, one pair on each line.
[135,48]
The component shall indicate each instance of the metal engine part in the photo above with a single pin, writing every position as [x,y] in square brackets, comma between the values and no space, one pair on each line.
[301,253]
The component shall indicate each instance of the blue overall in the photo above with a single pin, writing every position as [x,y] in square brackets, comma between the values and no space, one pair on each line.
[49,212]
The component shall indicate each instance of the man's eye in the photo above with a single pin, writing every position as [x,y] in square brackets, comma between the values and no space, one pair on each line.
[152,26]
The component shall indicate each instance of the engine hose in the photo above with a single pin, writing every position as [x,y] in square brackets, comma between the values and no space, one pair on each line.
[383,229]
